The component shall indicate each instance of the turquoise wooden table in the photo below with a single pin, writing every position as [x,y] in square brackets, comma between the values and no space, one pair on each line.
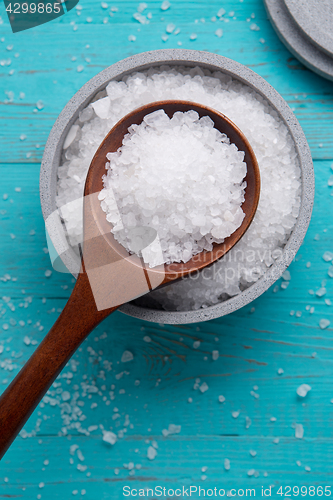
[153,404]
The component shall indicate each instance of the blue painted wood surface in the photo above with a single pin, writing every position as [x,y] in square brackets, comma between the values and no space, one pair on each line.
[277,331]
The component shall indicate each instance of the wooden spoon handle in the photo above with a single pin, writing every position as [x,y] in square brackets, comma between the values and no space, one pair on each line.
[76,321]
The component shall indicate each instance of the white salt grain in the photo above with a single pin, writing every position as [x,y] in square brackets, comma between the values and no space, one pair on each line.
[109,437]
[303,389]
[127,356]
[165,5]
[324,323]
[203,387]
[215,355]
[328,256]
[170,28]
[197,187]
[248,422]
[299,431]
[151,453]
[172,429]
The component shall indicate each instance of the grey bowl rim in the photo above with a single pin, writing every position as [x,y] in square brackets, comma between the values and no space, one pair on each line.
[311,32]
[214,62]
[296,40]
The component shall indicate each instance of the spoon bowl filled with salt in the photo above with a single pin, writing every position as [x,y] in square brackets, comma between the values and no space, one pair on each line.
[171,189]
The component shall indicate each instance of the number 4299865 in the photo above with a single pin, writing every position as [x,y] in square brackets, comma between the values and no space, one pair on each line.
[32,8]
[303,491]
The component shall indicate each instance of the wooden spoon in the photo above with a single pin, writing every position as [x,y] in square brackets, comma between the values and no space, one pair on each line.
[110,276]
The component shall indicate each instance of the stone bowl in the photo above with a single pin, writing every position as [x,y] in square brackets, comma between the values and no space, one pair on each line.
[190,58]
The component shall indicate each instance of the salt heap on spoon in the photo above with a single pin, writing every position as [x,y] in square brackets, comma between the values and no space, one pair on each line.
[179,176]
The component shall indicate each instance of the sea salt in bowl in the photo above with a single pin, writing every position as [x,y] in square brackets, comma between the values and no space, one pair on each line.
[146,308]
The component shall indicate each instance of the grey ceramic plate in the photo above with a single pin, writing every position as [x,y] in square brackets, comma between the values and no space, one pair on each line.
[296,41]
[314,18]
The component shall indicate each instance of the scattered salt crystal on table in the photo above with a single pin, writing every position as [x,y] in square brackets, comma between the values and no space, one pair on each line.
[65,395]
[170,28]
[226,464]
[151,453]
[324,323]
[127,356]
[109,437]
[203,387]
[172,429]
[286,275]
[191,197]
[303,389]
[321,292]
[328,256]
[235,414]
[221,399]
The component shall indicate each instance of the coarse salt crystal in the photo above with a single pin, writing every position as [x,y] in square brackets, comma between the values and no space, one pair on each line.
[324,323]
[126,357]
[303,389]
[203,387]
[299,431]
[137,168]
[151,453]
[229,97]
[109,437]
[165,5]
